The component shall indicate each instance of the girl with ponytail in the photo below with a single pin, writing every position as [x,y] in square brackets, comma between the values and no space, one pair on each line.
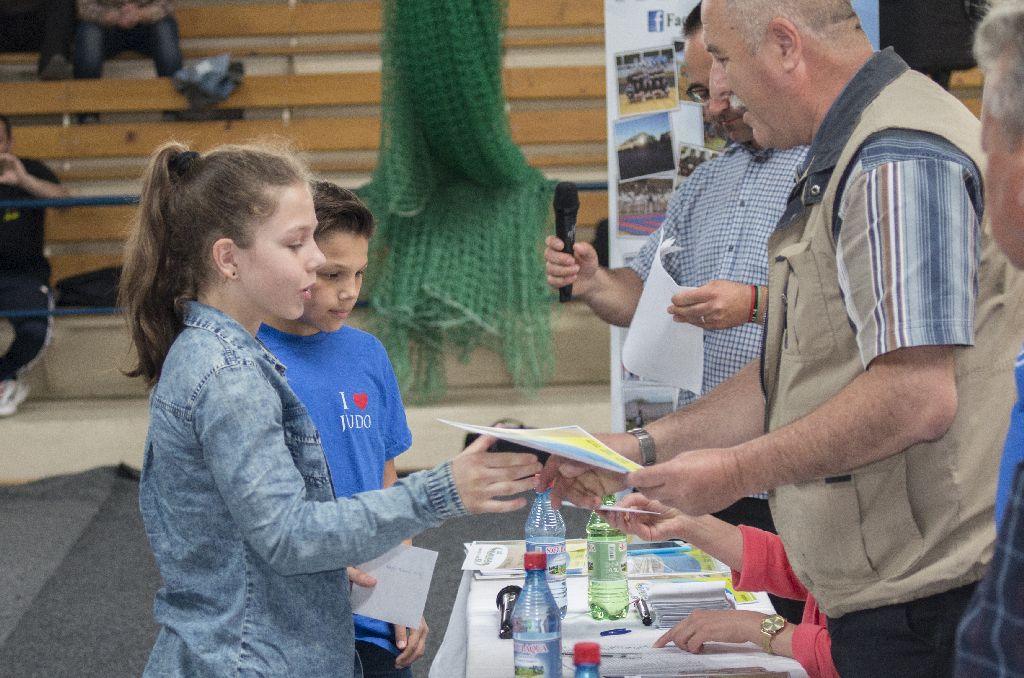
[235,492]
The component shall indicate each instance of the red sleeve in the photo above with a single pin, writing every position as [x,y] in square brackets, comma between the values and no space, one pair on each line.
[766,567]
[812,647]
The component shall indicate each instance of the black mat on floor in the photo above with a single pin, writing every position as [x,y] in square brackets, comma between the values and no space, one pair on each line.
[77,577]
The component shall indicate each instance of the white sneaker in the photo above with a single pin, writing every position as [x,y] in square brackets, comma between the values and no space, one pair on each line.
[12,393]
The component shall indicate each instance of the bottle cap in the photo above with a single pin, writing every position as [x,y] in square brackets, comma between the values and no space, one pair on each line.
[535,560]
[586,653]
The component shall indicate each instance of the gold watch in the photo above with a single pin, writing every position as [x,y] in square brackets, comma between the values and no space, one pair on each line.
[770,627]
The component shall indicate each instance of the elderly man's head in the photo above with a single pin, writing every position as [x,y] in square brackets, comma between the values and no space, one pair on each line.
[786,59]
[1000,53]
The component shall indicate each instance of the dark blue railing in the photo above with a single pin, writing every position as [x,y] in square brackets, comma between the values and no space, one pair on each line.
[111,201]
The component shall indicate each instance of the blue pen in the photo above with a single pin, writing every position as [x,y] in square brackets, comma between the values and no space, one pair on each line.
[616,632]
[672,550]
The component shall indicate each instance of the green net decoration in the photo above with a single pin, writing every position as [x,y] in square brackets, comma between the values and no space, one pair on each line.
[461,215]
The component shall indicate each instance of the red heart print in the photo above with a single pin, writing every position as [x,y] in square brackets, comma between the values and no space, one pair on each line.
[361,400]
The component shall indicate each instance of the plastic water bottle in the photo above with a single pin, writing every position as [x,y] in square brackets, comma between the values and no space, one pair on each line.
[545,531]
[586,657]
[607,585]
[536,624]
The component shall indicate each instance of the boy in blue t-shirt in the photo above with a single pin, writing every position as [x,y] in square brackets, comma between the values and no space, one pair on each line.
[346,381]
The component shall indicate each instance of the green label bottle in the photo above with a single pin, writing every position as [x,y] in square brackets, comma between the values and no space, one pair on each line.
[607,586]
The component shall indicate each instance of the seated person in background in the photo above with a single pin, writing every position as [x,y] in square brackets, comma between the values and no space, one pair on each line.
[24,271]
[344,378]
[108,27]
[759,563]
[44,26]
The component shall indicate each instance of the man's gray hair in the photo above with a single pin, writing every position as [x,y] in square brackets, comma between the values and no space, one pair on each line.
[818,17]
[999,50]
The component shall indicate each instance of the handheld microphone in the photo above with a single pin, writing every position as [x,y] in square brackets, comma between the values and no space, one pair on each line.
[506,600]
[567,204]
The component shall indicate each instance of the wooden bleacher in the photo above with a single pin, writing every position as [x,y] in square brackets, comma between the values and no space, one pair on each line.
[557,111]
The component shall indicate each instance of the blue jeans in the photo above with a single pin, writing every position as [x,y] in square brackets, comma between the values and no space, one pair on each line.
[95,43]
[378,662]
[20,292]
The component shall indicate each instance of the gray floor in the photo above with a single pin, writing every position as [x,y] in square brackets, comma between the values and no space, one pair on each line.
[77,577]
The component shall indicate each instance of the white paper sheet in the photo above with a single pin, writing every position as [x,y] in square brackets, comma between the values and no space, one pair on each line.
[403,579]
[657,347]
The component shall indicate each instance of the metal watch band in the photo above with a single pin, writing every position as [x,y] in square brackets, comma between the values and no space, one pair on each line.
[647,453]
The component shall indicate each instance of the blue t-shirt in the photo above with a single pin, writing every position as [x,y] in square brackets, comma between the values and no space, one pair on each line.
[1013,452]
[346,381]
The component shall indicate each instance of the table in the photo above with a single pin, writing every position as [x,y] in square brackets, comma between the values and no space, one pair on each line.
[471,646]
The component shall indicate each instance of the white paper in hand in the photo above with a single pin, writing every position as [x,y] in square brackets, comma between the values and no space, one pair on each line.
[403,577]
[657,347]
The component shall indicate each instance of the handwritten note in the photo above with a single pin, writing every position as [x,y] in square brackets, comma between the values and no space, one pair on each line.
[403,577]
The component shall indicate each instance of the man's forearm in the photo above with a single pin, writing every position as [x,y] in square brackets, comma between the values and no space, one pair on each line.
[906,397]
[731,414]
[613,294]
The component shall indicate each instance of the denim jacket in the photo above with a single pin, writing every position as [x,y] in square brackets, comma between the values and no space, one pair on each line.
[237,501]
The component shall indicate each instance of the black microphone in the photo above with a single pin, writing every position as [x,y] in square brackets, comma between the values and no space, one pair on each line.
[567,204]
[507,598]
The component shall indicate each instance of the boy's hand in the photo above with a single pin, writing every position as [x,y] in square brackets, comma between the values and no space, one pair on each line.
[482,476]
[360,578]
[411,643]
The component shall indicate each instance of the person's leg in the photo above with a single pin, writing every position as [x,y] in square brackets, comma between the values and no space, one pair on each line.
[58,32]
[90,50]
[160,41]
[378,662]
[912,640]
[31,334]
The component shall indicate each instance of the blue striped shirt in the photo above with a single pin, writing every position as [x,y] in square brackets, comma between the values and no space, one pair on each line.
[908,243]
[721,217]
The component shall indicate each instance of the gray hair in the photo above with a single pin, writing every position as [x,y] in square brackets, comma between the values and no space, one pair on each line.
[818,17]
[999,50]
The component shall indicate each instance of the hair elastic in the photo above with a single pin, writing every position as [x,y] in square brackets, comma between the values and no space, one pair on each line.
[181,163]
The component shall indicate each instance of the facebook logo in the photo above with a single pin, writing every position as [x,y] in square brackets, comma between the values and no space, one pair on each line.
[655,21]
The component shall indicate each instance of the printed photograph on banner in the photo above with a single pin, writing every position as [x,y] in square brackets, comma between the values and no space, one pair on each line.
[644,146]
[687,126]
[646,81]
[642,204]
[690,158]
[682,81]
[644,404]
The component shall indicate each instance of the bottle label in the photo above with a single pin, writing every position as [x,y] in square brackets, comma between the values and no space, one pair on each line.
[534,658]
[558,557]
[606,560]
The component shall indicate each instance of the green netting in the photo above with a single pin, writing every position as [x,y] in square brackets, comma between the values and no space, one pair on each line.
[460,213]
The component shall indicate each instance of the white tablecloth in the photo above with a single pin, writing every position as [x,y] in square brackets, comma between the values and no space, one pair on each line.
[471,647]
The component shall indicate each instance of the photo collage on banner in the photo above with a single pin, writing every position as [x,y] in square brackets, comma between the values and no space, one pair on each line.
[656,139]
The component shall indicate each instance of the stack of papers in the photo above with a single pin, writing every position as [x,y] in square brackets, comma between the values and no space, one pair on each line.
[672,603]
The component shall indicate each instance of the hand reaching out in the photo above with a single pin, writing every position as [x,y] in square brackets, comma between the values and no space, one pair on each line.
[481,476]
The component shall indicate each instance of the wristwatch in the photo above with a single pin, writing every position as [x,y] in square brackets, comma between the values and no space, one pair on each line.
[647,454]
[770,627]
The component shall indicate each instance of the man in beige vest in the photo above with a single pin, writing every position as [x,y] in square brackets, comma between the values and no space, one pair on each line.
[877,413]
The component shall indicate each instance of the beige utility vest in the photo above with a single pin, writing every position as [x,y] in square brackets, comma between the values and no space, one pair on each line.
[921,522]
